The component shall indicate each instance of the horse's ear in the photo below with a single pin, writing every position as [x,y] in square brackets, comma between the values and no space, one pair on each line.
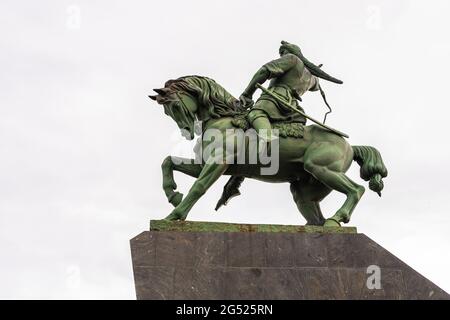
[152,97]
[161,91]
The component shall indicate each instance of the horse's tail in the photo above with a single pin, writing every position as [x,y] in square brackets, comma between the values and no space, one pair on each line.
[372,166]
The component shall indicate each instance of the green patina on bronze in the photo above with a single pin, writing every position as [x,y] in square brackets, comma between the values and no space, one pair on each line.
[312,159]
[200,226]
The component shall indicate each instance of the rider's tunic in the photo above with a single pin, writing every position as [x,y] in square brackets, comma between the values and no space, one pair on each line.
[290,80]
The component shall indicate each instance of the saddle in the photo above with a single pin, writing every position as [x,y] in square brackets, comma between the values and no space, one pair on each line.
[285,129]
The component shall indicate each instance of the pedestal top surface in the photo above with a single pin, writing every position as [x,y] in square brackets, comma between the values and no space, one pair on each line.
[202,226]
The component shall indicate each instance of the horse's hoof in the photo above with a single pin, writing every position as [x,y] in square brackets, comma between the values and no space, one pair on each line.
[331,223]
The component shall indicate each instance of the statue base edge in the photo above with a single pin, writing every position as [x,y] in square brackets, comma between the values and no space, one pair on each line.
[204,226]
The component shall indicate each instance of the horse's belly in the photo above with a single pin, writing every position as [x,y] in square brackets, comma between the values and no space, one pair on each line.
[284,163]
[283,172]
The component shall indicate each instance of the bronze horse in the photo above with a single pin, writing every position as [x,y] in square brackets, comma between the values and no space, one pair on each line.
[314,165]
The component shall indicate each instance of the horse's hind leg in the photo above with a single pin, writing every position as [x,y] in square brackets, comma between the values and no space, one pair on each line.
[327,164]
[307,197]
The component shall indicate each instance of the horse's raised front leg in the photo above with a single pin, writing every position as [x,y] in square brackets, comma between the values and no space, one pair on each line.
[171,164]
[209,174]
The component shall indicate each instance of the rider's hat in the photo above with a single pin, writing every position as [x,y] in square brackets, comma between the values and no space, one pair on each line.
[315,70]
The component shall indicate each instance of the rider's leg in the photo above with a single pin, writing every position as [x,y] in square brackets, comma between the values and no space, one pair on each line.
[261,123]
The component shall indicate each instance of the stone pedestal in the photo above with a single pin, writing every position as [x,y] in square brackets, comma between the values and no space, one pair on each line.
[203,260]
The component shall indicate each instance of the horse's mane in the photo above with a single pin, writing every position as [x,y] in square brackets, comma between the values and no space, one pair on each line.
[219,102]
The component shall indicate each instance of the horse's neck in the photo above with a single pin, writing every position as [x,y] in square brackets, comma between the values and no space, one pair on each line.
[202,113]
[222,123]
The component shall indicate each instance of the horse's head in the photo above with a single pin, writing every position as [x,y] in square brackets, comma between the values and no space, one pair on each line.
[180,106]
[191,98]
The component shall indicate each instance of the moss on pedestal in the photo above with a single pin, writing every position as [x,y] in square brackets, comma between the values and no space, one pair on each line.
[201,226]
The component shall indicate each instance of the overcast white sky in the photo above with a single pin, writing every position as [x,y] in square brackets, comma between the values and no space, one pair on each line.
[81,144]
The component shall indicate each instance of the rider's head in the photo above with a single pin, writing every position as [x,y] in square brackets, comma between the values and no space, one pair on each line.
[287,47]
